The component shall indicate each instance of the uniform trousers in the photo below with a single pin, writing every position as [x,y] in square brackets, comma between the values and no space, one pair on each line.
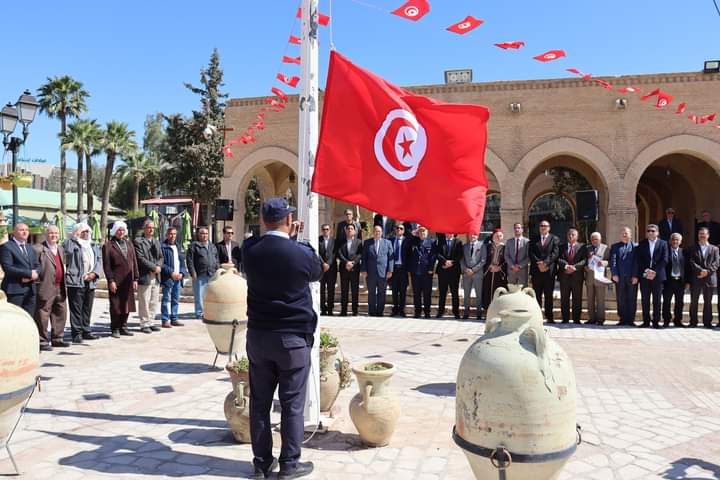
[277,360]
[674,288]
[148,300]
[399,283]
[707,291]
[422,292]
[80,303]
[51,312]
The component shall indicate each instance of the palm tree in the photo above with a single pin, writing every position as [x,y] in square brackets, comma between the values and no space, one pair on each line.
[95,147]
[155,168]
[135,169]
[64,98]
[119,141]
[79,138]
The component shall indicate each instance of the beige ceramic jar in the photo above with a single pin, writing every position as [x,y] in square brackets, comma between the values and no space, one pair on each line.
[225,300]
[516,391]
[329,378]
[376,409]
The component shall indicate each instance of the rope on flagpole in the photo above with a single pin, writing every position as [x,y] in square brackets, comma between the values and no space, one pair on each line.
[716,6]
[332,20]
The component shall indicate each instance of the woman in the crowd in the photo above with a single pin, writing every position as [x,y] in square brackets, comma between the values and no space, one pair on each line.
[82,270]
[121,271]
[495,267]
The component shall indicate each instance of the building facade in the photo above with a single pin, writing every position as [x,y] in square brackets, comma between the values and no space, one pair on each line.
[640,159]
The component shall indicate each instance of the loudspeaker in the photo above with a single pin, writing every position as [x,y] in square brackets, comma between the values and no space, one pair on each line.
[224,209]
[586,205]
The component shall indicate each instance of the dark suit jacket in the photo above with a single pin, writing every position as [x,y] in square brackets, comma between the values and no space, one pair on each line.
[233,256]
[352,255]
[578,261]
[548,254]
[380,263]
[328,255]
[340,237]
[46,281]
[149,256]
[714,229]
[658,262]
[665,231]
[17,266]
[168,265]
[682,258]
[405,250]
[696,263]
[444,252]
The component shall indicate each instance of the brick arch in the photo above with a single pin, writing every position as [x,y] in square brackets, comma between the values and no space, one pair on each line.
[699,147]
[496,166]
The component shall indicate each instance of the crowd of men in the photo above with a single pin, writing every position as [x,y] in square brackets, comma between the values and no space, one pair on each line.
[48,279]
[400,254]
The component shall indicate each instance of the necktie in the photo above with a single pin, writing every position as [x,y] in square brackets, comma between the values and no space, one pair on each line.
[472,250]
[24,251]
[398,245]
[517,250]
[543,241]
[571,252]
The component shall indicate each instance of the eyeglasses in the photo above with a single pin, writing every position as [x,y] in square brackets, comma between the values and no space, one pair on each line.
[325,229]
[230,233]
[651,230]
[544,226]
[399,228]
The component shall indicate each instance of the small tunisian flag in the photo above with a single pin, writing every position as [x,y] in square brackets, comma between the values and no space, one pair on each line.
[409,157]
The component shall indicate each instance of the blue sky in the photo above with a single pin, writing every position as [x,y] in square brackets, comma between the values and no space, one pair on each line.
[133,56]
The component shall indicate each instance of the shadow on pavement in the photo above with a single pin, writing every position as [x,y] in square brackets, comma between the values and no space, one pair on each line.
[437,389]
[125,454]
[679,468]
[176,367]
[336,441]
[129,418]
[206,437]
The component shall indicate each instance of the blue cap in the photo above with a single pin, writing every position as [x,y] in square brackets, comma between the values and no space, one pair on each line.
[275,209]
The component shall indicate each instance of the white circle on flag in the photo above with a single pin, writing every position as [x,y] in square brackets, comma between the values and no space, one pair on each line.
[464,25]
[409,145]
[550,56]
[412,11]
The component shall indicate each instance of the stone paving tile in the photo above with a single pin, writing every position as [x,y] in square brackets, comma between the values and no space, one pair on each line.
[647,402]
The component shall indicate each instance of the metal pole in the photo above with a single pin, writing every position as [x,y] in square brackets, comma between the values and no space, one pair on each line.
[308,201]
[14,145]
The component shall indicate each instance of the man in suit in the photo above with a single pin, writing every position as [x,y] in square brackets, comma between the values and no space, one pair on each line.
[471,265]
[281,324]
[650,262]
[571,272]
[712,226]
[377,268]
[544,253]
[386,223]
[675,281]
[326,248]
[22,269]
[517,257]
[340,230]
[51,291]
[703,264]
[422,264]
[150,260]
[669,225]
[228,249]
[448,249]
[401,257]
[350,256]
[596,289]
[622,267]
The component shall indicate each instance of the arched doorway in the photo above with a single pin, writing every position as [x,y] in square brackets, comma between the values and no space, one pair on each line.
[491,218]
[555,208]
[270,179]
[682,181]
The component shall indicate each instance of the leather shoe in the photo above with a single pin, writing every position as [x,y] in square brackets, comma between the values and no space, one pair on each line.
[46,348]
[166,325]
[154,328]
[89,336]
[146,330]
[261,473]
[177,323]
[77,339]
[300,470]
[125,332]
[60,343]
[115,334]
[466,316]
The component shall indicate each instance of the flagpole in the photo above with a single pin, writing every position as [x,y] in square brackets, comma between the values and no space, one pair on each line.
[308,201]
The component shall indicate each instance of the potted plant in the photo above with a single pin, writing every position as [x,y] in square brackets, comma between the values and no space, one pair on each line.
[237,402]
[238,371]
[334,373]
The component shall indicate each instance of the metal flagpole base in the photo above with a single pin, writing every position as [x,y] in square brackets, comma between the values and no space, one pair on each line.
[17,422]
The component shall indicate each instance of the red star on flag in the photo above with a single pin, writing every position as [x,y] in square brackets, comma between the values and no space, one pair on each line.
[405,144]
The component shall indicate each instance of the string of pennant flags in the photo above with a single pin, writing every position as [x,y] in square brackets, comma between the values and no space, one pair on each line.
[415,10]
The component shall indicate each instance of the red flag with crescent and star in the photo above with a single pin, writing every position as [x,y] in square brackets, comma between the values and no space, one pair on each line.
[413,9]
[407,156]
[465,25]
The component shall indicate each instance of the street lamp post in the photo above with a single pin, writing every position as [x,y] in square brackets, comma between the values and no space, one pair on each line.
[24,112]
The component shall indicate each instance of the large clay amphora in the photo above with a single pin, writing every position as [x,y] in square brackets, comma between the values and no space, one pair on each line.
[375,410]
[225,300]
[237,407]
[329,378]
[516,395]
[19,361]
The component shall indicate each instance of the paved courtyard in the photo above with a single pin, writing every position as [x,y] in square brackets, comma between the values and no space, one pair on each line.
[149,407]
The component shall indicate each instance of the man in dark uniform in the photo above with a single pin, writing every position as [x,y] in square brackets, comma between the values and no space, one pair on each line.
[281,324]
[421,267]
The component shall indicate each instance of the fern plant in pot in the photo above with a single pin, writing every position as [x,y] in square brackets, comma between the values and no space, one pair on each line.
[334,372]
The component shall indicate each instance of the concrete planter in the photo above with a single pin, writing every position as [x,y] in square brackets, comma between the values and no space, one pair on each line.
[375,409]
[516,393]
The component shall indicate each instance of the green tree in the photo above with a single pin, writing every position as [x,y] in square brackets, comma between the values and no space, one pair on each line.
[119,142]
[80,137]
[96,137]
[62,98]
[193,146]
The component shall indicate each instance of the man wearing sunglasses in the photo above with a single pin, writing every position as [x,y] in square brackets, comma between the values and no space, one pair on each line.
[228,249]
[650,264]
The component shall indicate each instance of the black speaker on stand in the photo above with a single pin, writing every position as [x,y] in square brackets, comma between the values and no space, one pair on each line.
[586,205]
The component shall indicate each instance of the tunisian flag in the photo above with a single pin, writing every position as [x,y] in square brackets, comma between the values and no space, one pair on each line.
[409,157]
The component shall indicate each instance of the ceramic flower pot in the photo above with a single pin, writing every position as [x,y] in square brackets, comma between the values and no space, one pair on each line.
[329,378]
[516,390]
[225,301]
[237,412]
[375,409]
